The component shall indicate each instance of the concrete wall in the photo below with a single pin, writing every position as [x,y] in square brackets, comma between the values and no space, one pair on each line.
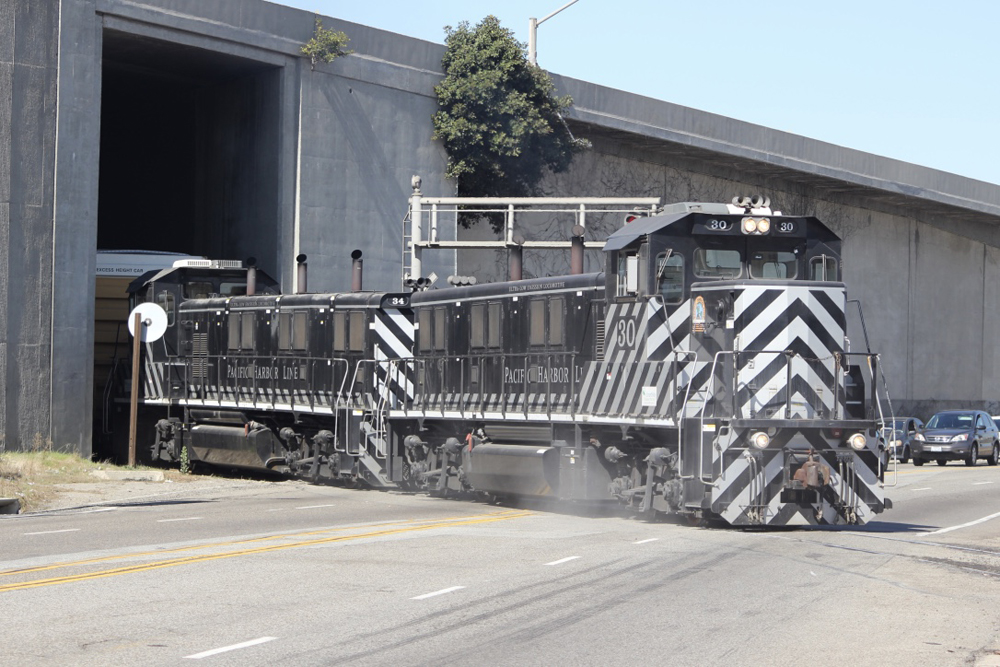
[319,162]
[362,140]
[28,93]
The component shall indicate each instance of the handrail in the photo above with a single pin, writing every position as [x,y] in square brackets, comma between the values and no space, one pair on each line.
[681,414]
[704,404]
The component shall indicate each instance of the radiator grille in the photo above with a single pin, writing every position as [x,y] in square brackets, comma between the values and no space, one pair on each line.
[199,352]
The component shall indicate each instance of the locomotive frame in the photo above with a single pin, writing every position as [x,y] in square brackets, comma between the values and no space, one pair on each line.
[706,372]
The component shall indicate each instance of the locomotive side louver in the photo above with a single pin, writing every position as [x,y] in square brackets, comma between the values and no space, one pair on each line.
[199,353]
[599,340]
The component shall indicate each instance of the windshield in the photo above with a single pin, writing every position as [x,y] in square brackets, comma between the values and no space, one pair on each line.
[897,425]
[952,420]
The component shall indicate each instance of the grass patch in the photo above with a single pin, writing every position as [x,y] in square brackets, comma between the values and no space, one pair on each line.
[34,477]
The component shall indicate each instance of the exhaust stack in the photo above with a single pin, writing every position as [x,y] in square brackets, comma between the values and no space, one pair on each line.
[251,276]
[515,258]
[357,267]
[576,251]
[300,287]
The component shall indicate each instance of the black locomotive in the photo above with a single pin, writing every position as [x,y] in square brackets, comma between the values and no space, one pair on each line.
[706,372]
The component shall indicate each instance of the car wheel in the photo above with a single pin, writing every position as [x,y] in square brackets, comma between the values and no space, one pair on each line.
[942,462]
[917,461]
[973,456]
[994,455]
[906,454]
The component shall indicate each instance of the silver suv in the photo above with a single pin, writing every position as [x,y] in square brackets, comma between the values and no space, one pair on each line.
[963,435]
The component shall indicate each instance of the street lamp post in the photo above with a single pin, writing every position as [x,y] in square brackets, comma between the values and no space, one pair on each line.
[533,24]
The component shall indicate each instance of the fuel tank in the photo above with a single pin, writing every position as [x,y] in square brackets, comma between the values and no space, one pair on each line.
[517,470]
[235,446]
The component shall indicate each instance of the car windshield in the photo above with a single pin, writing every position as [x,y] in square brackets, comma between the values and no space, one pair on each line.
[952,420]
[899,425]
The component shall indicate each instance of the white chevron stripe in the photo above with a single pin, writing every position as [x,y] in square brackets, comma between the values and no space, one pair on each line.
[752,330]
[400,349]
[737,505]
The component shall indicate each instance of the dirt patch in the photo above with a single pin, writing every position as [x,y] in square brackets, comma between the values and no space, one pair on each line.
[51,480]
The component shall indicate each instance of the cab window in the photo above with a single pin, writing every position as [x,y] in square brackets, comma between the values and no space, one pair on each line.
[165,300]
[628,273]
[670,277]
[717,263]
[778,264]
[823,268]
[198,290]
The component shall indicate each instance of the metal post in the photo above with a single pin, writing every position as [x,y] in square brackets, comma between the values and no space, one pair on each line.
[533,24]
[415,231]
[434,223]
[532,37]
[134,404]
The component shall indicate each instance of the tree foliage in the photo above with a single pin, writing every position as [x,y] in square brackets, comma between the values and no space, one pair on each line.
[326,45]
[498,116]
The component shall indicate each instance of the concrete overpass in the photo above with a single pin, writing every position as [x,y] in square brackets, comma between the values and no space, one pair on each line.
[196,126]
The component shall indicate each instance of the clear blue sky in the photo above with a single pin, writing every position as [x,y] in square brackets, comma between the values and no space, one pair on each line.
[913,80]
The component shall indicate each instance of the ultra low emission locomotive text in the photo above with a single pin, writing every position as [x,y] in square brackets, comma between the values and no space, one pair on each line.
[706,372]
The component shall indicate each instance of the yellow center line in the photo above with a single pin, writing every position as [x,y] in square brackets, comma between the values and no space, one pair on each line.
[55,566]
[246,552]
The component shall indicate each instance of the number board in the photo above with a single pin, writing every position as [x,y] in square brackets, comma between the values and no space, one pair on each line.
[785,226]
[715,226]
[391,301]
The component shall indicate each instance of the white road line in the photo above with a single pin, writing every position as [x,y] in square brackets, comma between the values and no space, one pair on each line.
[49,532]
[562,560]
[440,592]
[312,507]
[926,488]
[979,483]
[652,539]
[964,525]
[216,651]
[187,518]
[99,509]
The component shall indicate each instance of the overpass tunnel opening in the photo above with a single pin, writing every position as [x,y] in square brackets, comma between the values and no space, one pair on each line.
[188,164]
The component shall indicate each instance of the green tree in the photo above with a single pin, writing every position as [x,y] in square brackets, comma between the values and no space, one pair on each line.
[326,45]
[498,116]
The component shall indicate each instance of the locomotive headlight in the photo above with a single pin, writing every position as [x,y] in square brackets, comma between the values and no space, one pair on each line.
[749,225]
[760,440]
[857,441]
[763,226]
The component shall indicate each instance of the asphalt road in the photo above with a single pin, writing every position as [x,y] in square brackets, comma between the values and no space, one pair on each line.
[299,575]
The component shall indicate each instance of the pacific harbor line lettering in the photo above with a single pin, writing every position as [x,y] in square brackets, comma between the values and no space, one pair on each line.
[256,372]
